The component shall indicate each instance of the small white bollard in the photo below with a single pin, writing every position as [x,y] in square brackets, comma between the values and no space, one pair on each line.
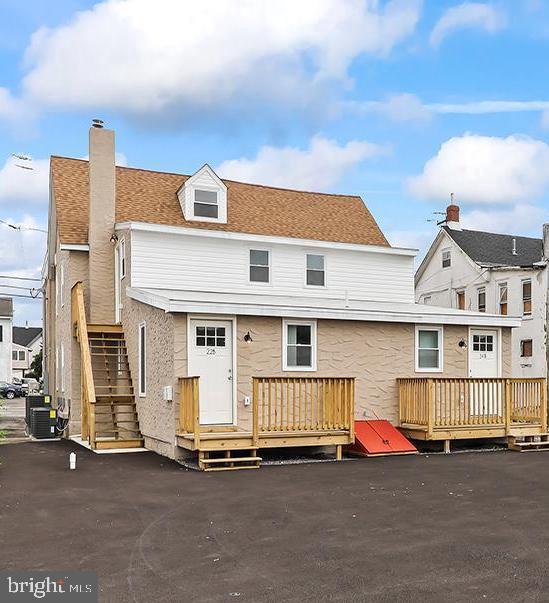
[72,460]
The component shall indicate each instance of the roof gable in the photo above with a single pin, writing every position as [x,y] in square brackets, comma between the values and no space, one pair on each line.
[151,197]
[25,336]
[492,249]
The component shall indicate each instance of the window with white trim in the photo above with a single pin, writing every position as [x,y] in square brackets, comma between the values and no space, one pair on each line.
[481,297]
[122,258]
[527,297]
[22,355]
[205,204]
[503,296]
[316,270]
[460,300]
[142,355]
[446,258]
[526,348]
[1,333]
[429,349]
[14,355]
[299,345]
[260,270]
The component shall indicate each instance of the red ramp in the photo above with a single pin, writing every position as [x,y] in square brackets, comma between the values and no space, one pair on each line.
[378,438]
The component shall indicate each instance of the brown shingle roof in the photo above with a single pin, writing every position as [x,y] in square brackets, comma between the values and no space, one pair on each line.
[148,196]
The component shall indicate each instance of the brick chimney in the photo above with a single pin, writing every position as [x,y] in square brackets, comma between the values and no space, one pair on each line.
[101,224]
[452,217]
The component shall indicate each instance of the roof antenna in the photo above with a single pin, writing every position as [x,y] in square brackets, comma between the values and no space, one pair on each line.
[97,123]
[514,252]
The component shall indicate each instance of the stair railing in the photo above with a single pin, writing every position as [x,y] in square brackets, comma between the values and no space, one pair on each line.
[87,387]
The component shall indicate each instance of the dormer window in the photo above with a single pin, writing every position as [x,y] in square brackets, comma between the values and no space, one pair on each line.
[205,204]
[203,197]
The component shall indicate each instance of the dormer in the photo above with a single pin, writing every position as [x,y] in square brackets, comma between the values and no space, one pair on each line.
[203,197]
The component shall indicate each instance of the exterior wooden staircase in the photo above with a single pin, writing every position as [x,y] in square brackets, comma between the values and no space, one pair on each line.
[109,412]
[228,460]
[528,443]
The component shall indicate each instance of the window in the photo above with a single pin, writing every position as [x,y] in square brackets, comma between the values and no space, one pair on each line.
[316,272]
[14,355]
[527,297]
[1,333]
[503,299]
[526,348]
[205,204]
[483,343]
[210,337]
[427,300]
[446,258]
[460,300]
[62,286]
[122,258]
[142,354]
[299,346]
[481,299]
[21,355]
[62,368]
[429,349]
[259,266]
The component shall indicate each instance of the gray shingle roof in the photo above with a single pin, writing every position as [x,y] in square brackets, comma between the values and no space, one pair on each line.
[491,249]
[24,336]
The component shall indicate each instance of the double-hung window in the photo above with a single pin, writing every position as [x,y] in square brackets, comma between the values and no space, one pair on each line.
[527,297]
[316,270]
[299,345]
[205,204]
[14,355]
[260,266]
[429,349]
[142,354]
[446,258]
[481,293]
[503,295]
[22,355]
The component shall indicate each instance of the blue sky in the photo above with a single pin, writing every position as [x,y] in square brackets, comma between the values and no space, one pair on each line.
[401,102]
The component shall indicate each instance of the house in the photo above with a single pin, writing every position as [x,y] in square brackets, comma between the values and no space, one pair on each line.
[212,318]
[26,343]
[6,320]
[496,273]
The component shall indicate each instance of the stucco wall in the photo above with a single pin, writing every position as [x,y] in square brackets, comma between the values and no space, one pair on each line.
[374,353]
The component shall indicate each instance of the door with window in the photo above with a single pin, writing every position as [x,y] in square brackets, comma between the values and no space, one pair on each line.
[211,359]
[485,398]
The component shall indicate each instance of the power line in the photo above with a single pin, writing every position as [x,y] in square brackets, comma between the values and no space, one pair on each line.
[14,287]
[19,295]
[21,278]
[21,227]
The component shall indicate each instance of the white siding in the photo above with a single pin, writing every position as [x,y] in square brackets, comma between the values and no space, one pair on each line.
[5,349]
[192,263]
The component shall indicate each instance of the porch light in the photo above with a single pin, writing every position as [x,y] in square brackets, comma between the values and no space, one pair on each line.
[248,337]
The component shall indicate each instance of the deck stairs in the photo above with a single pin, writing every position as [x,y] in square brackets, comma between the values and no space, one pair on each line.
[528,443]
[228,459]
[116,418]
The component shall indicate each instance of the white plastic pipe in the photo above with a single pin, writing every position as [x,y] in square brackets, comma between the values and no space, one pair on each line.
[72,460]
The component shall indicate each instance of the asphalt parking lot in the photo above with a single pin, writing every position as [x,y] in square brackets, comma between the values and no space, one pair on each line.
[464,527]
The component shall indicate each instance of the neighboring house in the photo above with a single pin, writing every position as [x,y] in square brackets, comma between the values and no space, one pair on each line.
[494,273]
[27,342]
[223,317]
[6,321]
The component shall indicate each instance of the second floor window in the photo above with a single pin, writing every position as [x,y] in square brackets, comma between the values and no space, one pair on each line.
[527,297]
[316,273]
[526,348]
[205,204]
[446,258]
[482,299]
[503,299]
[460,299]
[259,266]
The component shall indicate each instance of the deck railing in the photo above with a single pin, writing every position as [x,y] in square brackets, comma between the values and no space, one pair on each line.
[78,317]
[439,403]
[299,404]
[189,407]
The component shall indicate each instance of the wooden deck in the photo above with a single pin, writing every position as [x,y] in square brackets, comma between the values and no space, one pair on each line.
[449,409]
[286,412]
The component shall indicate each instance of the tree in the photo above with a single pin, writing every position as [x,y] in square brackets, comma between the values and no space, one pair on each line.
[36,367]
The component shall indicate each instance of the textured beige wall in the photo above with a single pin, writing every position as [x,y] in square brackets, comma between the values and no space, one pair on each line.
[101,227]
[374,353]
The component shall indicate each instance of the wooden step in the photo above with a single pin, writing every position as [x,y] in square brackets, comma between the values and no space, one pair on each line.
[528,443]
[113,443]
[231,459]
[236,468]
[104,328]
[228,462]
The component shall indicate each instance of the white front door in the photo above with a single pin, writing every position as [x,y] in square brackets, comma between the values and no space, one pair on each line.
[211,359]
[484,353]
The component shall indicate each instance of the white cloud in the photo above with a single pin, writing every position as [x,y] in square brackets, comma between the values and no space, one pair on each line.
[317,168]
[469,14]
[484,169]
[489,106]
[19,186]
[400,107]
[141,57]
[413,239]
[545,119]
[524,218]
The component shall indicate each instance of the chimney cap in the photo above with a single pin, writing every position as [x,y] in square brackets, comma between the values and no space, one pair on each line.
[97,123]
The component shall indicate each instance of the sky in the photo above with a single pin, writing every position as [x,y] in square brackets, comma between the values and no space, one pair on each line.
[402,102]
